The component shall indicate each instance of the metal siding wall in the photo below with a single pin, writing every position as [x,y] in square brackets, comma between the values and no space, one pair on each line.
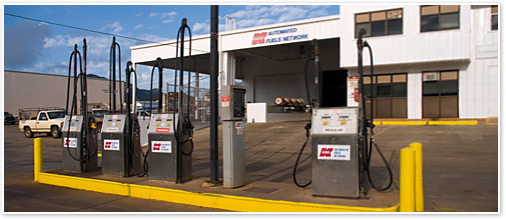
[411,46]
[414,95]
[27,90]
[478,85]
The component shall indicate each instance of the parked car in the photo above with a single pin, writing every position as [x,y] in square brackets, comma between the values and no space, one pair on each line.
[49,121]
[9,118]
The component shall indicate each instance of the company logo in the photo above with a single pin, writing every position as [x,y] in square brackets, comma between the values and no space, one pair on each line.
[259,38]
[111,144]
[157,146]
[326,152]
[161,146]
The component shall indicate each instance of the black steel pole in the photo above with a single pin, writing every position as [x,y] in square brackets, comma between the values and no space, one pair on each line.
[362,120]
[214,94]
[160,79]
[319,87]
[114,75]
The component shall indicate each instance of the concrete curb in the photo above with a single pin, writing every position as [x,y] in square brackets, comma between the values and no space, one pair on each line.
[210,200]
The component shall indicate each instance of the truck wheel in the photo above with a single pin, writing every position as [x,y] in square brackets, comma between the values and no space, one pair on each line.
[28,133]
[55,132]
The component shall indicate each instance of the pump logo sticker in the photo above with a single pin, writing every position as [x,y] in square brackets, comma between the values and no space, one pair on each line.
[333,152]
[259,38]
[70,142]
[111,145]
[161,146]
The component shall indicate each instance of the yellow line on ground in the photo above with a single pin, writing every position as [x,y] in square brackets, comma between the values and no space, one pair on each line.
[211,200]
[404,123]
[474,122]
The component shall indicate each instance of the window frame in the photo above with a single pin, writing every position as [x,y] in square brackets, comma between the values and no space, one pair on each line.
[439,18]
[385,22]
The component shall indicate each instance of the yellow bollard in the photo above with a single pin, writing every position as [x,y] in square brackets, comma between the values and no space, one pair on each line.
[418,176]
[37,158]
[407,180]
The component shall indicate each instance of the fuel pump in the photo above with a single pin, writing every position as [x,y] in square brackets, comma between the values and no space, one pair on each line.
[162,141]
[79,133]
[233,113]
[121,133]
[171,135]
[339,135]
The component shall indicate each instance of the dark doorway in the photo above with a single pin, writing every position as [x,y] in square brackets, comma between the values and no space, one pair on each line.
[334,88]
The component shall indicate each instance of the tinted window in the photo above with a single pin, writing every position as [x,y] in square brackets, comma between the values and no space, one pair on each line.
[495,23]
[378,28]
[42,116]
[449,21]
[431,88]
[363,26]
[449,88]
[399,90]
[53,115]
[394,26]
[430,23]
[384,90]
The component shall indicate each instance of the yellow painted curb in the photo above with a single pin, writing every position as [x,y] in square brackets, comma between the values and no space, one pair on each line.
[211,200]
[493,119]
[376,122]
[404,123]
[474,122]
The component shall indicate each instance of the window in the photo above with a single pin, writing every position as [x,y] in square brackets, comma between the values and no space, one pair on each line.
[494,17]
[379,23]
[42,116]
[440,94]
[389,93]
[439,17]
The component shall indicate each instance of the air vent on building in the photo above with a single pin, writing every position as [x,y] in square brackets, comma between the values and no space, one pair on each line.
[430,77]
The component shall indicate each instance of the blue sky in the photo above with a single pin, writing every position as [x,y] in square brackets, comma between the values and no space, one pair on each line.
[40,47]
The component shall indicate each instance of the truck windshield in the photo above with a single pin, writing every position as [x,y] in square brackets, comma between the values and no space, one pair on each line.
[53,115]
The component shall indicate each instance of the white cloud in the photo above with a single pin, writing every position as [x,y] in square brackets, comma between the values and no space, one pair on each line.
[256,15]
[138,26]
[115,26]
[201,27]
[167,17]
[138,14]
[152,38]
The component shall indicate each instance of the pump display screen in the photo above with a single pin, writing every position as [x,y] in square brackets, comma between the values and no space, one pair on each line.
[239,102]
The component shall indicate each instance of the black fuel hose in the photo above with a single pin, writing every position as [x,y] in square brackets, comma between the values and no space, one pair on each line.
[307,127]
[371,137]
[294,174]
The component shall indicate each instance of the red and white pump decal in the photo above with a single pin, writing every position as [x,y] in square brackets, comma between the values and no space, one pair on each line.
[111,144]
[161,146]
[225,101]
[333,152]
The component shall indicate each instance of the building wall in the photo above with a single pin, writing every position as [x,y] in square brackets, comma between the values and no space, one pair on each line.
[37,90]
[412,46]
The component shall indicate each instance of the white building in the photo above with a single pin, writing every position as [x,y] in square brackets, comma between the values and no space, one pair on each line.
[429,61]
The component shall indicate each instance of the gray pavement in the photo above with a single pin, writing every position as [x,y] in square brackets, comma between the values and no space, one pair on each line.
[460,167]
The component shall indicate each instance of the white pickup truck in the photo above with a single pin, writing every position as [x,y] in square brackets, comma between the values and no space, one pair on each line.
[49,121]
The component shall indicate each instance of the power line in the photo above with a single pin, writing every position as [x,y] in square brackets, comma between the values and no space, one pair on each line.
[93,31]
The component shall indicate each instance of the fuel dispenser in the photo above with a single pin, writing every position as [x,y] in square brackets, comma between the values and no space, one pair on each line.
[170,135]
[121,134]
[233,113]
[162,152]
[79,133]
[341,147]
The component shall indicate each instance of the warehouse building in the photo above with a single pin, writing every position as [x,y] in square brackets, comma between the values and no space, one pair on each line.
[429,61]
[39,90]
